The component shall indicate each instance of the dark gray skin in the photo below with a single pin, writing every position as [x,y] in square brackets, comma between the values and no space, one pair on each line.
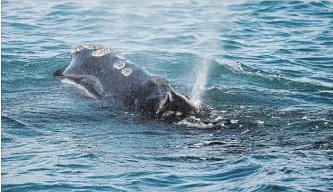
[108,74]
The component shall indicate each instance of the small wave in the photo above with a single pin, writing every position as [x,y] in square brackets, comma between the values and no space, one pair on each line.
[193,159]
[13,128]
[21,26]
[230,65]
[233,45]
[271,187]
[178,39]
[234,174]
[324,144]
[17,123]
[265,79]
[73,166]
[64,6]
[210,143]
[60,186]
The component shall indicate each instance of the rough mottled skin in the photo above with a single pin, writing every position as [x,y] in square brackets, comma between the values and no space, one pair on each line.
[106,73]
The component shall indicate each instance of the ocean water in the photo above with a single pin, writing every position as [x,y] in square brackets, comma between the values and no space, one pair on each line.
[271,74]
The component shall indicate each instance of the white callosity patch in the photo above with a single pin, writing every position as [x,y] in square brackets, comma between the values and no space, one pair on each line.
[102,52]
[119,65]
[86,46]
[126,71]
[78,48]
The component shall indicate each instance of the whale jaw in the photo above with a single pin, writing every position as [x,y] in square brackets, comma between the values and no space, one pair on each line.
[179,106]
[169,106]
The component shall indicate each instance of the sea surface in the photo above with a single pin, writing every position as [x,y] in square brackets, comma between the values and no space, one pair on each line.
[271,75]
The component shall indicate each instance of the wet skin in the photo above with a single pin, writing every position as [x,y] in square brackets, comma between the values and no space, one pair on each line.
[107,73]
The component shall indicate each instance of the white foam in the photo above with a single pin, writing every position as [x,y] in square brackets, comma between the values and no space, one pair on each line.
[260,122]
[246,131]
[234,121]
[194,122]
[233,66]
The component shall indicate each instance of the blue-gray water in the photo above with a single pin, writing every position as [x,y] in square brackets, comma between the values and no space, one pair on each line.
[271,74]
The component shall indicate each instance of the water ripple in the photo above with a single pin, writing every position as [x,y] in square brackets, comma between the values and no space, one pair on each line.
[270,83]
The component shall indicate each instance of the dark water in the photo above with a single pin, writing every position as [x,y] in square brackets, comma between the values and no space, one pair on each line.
[271,74]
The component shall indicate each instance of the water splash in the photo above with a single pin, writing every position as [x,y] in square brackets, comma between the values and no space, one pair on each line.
[202,69]
[201,74]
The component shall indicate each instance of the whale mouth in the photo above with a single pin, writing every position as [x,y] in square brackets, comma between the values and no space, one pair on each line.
[163,104]
[169,106]
[175,105]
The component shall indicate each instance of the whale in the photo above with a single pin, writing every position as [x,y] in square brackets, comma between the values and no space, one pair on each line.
[108,74]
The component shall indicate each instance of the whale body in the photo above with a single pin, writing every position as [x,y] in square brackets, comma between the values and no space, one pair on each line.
[107,73]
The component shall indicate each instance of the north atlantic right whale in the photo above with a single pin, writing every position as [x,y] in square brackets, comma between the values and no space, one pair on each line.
[107,73]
